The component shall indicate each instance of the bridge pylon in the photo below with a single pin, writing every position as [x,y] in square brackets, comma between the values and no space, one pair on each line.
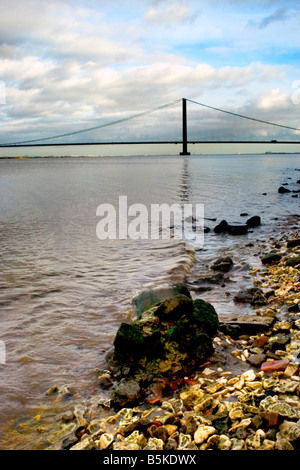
[184,129]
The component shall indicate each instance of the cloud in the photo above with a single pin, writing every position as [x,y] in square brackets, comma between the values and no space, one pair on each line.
[281,14]
[74,64]
[170,14]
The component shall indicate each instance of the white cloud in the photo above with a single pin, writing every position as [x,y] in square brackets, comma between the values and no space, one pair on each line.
[170,14]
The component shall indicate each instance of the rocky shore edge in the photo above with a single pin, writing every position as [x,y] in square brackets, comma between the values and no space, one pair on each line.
[244,395]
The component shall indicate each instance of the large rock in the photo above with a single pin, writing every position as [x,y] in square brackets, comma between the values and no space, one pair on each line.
[172,337]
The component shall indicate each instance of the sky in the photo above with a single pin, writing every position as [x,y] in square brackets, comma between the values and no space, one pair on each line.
[67,65]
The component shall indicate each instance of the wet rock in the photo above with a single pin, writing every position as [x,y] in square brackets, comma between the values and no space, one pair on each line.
[271,258]
[292,243]
[53,390]
[256,359]
[283,190]
[173,308]
[129,340]
[222,227]
[293,261]
[238,229]
[86,443]
[271,366]
[254,221]
[146,299]
[126,392]
[253,295]
[222,264]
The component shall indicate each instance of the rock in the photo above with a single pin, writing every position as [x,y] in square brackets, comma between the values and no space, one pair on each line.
[283,444]
[271,366]
[105,441]
[202,433]
[270,419]
[125,446]
[282,190]
[173,308]
[125,393]
[222,227]
[129,340]
[206,316]
[146,299]
[293,243]
[256,359]
[53,390]
[86,443]
[238,229]
[254,221]
[271,258]
[293,261]
[253,295]
[222,264]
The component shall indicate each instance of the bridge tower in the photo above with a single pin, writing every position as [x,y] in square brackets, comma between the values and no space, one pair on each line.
[184,129]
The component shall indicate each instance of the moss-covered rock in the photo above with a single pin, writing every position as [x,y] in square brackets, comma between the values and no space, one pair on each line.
[173,336]
[206,316]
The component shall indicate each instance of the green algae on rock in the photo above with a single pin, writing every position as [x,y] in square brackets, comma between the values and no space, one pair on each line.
[173,336]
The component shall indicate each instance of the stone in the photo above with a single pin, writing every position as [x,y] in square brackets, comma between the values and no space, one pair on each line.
[129,340]
[202,433]
[53,390]
[86,443]
[293,261]
[241,229]
[253,295]
[154,444]
[271,258]
[125,446]
[254,221]
[270,366]
[222,264]
[222,227]
[256,359]
[173,308]
[270,418]
[283,444]
[126,392]
[105,441]
[282,190]
[146,299]
[205,316]
[292,243]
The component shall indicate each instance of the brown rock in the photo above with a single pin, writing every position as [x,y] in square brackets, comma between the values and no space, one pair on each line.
[260,341]
[271,366]
[270,418]
[256,359]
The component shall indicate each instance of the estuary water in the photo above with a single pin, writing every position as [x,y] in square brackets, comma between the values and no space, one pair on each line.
[64,292]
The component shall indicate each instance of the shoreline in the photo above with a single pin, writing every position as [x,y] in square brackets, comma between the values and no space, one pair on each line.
[246,395]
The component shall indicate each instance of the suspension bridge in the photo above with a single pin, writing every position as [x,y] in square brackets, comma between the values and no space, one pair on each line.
[188,129]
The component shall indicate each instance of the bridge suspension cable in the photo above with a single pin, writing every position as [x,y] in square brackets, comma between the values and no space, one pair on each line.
[100,126]
[243,116]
